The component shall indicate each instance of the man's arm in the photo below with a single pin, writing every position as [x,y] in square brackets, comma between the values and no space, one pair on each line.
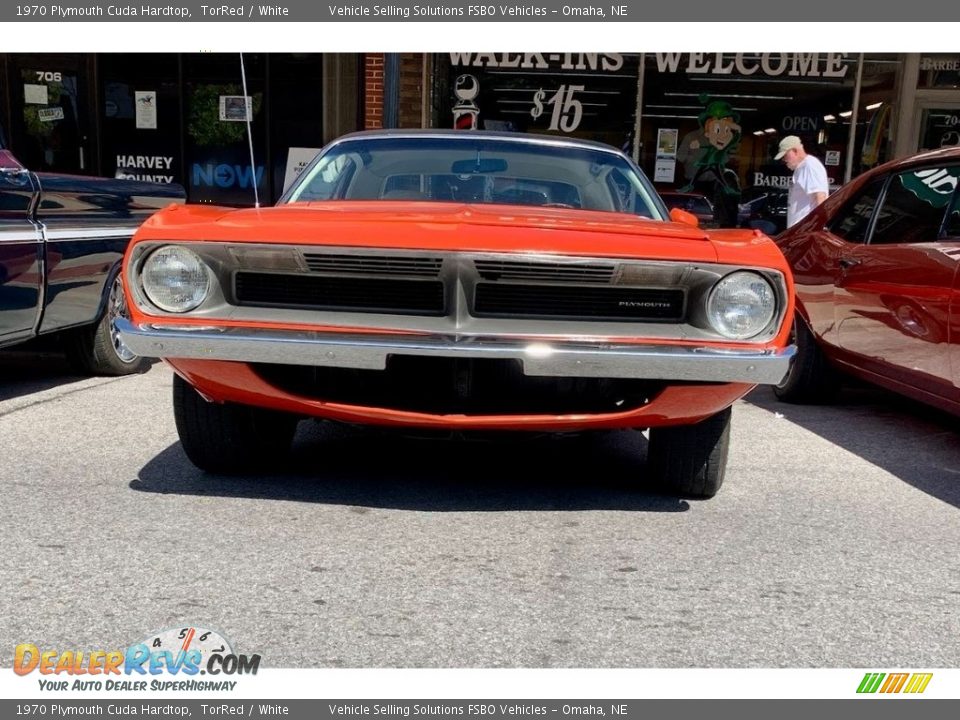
[818,197]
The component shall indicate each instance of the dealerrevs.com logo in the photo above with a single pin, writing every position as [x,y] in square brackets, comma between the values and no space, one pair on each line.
[888,683]
[146,665]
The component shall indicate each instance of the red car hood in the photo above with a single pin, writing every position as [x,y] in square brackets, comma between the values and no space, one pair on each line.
[456,227]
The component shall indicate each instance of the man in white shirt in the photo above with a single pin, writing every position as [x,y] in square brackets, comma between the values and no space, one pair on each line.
[810,184]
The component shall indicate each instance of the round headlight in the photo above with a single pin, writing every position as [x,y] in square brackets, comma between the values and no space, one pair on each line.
[175,279]
[741,305]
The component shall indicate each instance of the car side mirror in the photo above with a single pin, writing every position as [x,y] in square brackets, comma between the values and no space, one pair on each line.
[682,216]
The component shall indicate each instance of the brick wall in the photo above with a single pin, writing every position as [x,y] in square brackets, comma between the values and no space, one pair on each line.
[410,109]
[373,91]
[410,95]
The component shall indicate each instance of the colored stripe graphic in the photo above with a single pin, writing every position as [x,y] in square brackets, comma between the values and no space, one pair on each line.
[894,682]
[918,683]
[870,682]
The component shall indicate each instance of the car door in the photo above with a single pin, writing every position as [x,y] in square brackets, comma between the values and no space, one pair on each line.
[952,233]
[87,224]
[893,293]
[21,272]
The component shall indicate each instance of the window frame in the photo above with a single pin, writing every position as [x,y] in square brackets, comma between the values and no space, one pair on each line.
[883,182]
[882,199]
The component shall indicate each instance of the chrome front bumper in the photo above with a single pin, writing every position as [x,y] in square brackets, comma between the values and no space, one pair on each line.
[556,358]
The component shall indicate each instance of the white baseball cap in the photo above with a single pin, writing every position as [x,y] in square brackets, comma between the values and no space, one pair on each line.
[790,142]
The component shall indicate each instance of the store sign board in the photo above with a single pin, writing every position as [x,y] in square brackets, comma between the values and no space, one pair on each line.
[775,181]
[784,64]
[603,62]
[223,175]
[949,64]
[799,124]
[939,71]
[567,93]
[148,168]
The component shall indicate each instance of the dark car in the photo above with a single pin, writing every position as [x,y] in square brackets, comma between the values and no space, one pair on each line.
[876,267]
[61,241]
[763,208]
[694,203]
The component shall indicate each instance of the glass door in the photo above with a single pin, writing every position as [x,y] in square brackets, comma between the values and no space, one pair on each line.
[50,120]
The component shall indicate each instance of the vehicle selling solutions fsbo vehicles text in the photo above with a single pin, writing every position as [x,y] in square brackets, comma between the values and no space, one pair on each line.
[403,11]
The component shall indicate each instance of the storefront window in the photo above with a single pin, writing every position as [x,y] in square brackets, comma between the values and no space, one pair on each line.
[296,111]
[584,95]
[939,127]
[939,71]
[218,154]
[730,111]
[873,142]
[140,118]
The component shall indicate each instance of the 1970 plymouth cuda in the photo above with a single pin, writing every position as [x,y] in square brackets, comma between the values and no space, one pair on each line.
[459,281]
[61,241]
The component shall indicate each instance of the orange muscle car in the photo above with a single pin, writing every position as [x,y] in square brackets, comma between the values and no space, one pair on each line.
[460,281]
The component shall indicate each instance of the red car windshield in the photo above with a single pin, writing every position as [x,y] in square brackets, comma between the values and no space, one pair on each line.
[478,170]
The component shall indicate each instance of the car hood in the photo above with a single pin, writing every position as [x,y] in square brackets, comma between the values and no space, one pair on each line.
[454,227]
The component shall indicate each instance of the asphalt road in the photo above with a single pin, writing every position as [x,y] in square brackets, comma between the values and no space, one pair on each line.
[833,543]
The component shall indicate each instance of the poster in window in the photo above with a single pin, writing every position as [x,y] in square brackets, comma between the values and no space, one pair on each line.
[35,94]
[146,104]
[664,169]
[297,160]
[667,142]
[236,108]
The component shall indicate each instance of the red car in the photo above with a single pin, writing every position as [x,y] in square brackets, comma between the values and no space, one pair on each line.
[877,284]
[460,281]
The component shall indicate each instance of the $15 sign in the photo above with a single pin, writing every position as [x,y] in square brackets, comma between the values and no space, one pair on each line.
[566,112]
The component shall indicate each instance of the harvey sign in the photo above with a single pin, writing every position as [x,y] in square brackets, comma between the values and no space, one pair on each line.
[150,168]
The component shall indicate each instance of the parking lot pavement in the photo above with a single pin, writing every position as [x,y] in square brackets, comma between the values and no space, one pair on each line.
[832,543]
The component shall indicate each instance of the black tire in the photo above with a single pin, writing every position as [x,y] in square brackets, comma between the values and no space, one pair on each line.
[229,438]
[811,378]
[97,349]
[691,460]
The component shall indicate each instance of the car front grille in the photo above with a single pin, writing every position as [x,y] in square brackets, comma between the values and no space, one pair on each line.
[358,294]
[390,265]
[579,273]
[596,303]
[457,285]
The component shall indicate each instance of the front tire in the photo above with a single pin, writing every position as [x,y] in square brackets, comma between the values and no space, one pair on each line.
[229,438]
[811,378]
[691,460]
[98,349]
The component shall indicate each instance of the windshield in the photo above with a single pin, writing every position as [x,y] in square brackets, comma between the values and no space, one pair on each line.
[478,170]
